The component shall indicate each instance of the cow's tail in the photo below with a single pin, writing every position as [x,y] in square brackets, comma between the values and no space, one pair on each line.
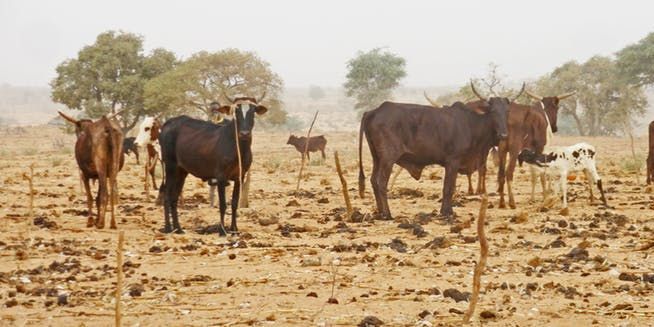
[362,177]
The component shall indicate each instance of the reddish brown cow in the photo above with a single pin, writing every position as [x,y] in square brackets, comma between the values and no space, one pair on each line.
[316,143]
[527,129]
[100,156]
[650,155]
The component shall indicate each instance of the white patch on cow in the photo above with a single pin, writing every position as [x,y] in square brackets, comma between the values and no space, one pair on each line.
[549,136]
[143,137]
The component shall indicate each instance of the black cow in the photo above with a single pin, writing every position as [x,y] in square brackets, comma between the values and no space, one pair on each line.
[207,151]
[130,146]
[414,136]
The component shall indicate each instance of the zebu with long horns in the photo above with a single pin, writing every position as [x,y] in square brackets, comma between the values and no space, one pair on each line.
[530,127]
[210,152]
[414,136]
[99,155]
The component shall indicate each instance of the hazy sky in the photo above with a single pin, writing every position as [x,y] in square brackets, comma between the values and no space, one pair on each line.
[309,42]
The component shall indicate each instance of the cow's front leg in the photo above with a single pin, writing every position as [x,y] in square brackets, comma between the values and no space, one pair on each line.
[449,185]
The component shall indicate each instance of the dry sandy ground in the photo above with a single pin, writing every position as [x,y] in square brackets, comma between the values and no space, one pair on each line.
[543,268]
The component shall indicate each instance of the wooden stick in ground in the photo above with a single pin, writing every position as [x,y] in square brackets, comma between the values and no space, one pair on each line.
[147,185]
[119,275]
[481,265]
[30,180]
[346,196]
[244,201]
[240,162]
[304,153]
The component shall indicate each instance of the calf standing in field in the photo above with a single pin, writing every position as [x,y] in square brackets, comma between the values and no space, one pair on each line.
[129,146]
[316,143]
[148,136]
[210,152]
[99,155]
[564,160]
[650,155]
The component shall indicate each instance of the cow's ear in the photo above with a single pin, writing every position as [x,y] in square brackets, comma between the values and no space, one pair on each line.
[227,110]
[260,110]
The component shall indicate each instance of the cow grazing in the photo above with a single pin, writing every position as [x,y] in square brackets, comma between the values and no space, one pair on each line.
[129,146]
[650,155]
[316,143]
[209,152]
[414,136]
[148,136]
[560,162]
[529,127]
[99,155]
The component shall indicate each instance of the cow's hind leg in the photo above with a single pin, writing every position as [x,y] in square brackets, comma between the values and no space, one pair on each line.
[449,185]
[590,181]
[471,191]
[168,186]
[101,200]
[513,157]
[89,202]
[222,204]
[379,180]
[177,190]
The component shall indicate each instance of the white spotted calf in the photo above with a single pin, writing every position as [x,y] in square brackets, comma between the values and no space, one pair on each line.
[561,161]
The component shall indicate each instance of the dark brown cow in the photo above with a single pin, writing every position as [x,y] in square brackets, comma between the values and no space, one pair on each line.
[129,146]
[414,136]
[316,143]
[207,151]
[100,156]
[528,128]
[650,155]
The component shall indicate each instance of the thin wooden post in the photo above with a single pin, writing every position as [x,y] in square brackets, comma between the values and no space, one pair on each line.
[240,163]
[481,265]
[346,195]
[119,275]
[397,173]
[147,185]
[244,201]
[30,182]
[304,153]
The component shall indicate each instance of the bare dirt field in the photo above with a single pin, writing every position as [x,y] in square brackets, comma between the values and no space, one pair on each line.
[295,252]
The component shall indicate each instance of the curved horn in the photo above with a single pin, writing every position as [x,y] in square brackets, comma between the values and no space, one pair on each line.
[534,95]
[227,97]
[116,114]
[519,94]
[566,95]
[263,96]
[472,85]
[68,118]
[432,102]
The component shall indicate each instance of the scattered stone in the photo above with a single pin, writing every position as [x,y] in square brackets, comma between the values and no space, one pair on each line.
[456,295]
[563,223]
[398,245]
[487,314]
[332,300]
[370,321]
[623,306]
[439,242]
[293,203]
[323,200]
[136,290]
[312,294]
[578,254]
[62,299]
[424,314]
[629,277]
[267,221]
[456,311]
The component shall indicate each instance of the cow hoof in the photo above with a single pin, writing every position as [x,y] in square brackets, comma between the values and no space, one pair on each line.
[179,230]
[166,230]
[113,226]
[222,231]
[90,223]
[99,226]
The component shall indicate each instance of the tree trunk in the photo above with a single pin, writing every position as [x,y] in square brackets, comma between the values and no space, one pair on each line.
[580,126]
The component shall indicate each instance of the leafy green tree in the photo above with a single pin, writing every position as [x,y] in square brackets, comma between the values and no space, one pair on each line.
[206,77]
[605,103]
[110,75]
[372,76]
[636,62]
[316,92]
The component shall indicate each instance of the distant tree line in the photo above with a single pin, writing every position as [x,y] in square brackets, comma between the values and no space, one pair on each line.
[610,89]
[115,74]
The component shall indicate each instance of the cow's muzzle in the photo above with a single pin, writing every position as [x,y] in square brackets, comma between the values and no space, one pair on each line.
[244,135]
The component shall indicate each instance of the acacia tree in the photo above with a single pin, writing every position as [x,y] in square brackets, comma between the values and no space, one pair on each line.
[316,92]
[206,77]
[372,76]
[605,103]
[636,62]
[110,75]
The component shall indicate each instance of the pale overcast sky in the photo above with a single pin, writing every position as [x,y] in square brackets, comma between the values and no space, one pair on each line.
[309,42]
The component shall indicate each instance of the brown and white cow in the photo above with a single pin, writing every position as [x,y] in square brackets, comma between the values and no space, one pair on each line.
[100,156]
[148,136]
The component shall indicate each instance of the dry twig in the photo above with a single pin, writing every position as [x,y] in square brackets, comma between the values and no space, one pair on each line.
[483,254]
[304,154]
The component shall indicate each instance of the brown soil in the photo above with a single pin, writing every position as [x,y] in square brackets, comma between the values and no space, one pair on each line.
[544,269]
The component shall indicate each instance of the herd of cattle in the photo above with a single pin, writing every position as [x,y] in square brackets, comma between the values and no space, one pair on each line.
[458,137]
